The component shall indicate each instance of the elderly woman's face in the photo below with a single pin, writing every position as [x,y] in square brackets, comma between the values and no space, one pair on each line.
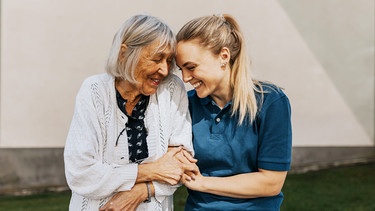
[152,68]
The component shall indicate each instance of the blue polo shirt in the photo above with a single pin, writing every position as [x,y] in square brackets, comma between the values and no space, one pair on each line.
[223,148]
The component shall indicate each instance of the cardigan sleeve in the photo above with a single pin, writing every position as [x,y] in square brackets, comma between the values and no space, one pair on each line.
[180,129]
[86,172]
[181,132]
[163,190]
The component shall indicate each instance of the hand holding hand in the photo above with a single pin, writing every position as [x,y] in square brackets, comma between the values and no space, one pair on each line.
[193,180]
[169,169]
[187,160]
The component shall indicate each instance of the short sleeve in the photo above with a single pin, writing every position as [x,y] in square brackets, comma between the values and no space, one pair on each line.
[275,134]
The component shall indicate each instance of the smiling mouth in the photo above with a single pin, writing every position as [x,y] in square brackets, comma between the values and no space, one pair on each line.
[155,81]
[196,85]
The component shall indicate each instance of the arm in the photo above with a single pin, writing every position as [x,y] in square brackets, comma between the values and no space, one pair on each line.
[250,185]
[273,160]
[86,171]
[166,172]
[181,131]
[176,124]
[129,200]
[167,169]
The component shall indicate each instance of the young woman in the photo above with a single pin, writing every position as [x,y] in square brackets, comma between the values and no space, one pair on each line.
[242,133]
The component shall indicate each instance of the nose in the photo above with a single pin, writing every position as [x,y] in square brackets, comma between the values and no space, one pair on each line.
[164,68]
[186,76]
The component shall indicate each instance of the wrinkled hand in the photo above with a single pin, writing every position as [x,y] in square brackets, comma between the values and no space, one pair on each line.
[183,156]
[171,167]
[127,200]
[186,158]
[193,180]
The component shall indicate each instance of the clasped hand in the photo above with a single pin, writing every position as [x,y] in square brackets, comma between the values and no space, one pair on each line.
[176,166]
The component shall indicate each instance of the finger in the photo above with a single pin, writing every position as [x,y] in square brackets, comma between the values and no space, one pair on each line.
[174,150]
[190,167]
[192,176]
[189,176]
[171,182]
[185,177]
[181,158]
[188,156]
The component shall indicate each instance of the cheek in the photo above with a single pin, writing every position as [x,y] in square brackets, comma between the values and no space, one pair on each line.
[145,70]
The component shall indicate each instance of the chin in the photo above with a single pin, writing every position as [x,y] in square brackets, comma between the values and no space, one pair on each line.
[150,92]
[201,94]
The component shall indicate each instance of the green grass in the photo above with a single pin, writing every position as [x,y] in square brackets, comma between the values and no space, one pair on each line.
[40,202]
[340,188]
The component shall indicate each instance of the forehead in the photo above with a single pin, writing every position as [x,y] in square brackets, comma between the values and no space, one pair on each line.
[155,49]
[189,49]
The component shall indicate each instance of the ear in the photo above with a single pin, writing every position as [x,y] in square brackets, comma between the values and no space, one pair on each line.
[121,55]
[224,55]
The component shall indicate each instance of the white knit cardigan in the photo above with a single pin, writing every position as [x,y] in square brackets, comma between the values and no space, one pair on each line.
[95,167]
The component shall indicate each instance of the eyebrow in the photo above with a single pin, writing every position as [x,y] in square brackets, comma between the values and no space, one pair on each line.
[187,63]
[162,54]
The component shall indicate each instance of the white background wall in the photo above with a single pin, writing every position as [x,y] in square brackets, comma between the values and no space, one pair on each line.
[49,46]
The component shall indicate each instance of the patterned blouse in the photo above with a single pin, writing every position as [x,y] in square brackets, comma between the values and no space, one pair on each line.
[135,128]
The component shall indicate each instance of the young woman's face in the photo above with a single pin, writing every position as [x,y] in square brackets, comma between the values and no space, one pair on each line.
[201,68]
[152,68]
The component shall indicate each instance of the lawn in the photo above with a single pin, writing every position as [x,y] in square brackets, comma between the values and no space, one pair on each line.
[340,188]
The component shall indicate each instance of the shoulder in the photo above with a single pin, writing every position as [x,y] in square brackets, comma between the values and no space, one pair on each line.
[269,93]
[102,79]
[96,85]
[195,101]
[192,95]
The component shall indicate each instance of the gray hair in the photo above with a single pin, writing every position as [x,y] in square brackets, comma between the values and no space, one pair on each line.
[137,33]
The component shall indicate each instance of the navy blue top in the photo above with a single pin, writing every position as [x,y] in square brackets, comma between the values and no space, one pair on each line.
[224,149]
[135,128]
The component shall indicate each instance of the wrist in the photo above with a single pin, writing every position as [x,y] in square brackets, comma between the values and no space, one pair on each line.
[149,193]
[144,173]
[203,185]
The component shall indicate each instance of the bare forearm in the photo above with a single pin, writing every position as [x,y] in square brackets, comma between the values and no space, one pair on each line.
[250,185]
[146,172]
[129,200]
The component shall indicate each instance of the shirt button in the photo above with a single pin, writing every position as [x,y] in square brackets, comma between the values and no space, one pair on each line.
[218,119]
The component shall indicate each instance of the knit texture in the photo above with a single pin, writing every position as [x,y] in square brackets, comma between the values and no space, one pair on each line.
[95,167]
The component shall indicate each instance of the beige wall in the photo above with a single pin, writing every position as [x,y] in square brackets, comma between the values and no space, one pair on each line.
[323,59]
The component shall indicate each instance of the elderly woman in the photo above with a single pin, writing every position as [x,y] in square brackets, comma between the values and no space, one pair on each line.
[118,153]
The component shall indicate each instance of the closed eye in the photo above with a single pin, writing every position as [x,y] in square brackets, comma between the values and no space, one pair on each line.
[190,68]
[190,65]
[170,60]
[157,60]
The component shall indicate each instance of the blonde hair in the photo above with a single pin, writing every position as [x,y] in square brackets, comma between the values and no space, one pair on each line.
[137,33]
[218,31]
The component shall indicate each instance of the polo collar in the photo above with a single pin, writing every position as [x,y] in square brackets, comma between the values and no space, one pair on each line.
[208,99]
